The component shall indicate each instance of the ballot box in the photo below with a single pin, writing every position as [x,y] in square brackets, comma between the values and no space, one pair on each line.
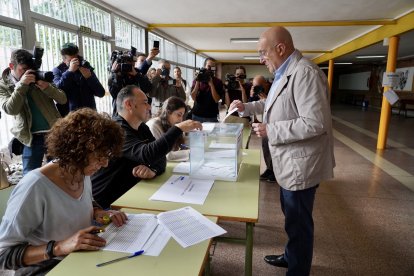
[216,151]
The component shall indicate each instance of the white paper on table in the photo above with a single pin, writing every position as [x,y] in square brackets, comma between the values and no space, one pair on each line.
[183,189]
[230,112]
[182,167]
[189,227]
[135,234]
[212,169]
[208,127]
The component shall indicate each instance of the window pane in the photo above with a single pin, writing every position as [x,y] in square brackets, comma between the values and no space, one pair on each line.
[11,8]
[190,59]
[170,50]
[122,33]
[138,38]
[181,55]
[10,39]
[199,61]
[75,12]
[52,39]
[98,52]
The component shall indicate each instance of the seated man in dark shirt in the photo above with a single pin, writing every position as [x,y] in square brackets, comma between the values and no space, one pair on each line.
[143,157]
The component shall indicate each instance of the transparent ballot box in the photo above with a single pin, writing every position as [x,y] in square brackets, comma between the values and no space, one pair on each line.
[215,152]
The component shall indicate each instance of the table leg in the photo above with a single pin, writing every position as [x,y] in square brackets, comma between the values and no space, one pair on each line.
[248,261]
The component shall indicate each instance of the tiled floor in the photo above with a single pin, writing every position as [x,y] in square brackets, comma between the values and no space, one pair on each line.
[364,217]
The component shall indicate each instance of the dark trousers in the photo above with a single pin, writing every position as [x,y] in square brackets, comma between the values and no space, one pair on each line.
[32,157]
[297,206]
[266,154]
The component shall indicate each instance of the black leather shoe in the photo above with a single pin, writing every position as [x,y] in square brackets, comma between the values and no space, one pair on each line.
[266,174]
[276,260]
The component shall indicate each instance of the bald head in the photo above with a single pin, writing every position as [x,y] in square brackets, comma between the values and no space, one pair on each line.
[275,46]
[277,35]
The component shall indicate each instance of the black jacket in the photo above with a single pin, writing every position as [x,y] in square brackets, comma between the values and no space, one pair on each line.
[140,148]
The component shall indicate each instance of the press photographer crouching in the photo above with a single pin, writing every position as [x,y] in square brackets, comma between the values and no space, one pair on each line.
[123,73]
[76,78]
[163,87]
[237,89]
[30,99]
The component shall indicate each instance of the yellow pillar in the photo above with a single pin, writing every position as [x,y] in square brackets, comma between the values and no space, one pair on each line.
[330,77]
[386,107]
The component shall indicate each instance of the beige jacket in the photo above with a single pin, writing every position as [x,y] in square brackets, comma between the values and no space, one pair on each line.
[299,126]
[13,100]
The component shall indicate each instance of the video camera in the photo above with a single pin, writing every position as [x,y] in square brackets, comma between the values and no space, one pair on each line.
[37,63]
[232,83]
[204,75]
[124,59]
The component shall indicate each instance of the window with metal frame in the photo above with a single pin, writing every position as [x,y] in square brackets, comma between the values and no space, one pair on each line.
[75,12]
[10,40]
[11,8]
[52,39]
[122,33]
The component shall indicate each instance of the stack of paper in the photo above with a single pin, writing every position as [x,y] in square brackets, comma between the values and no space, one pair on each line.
[151,233]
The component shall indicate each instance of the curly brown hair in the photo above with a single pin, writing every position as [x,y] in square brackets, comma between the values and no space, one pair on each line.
[83,132]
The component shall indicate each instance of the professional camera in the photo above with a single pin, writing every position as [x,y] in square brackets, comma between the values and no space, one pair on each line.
[232,83]
[258,89]
[204,75]
[85,64]
[37,63]
[165,72]
[124,59]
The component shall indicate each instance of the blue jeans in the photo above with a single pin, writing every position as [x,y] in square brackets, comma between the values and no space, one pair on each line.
[32,157]
[204,119]
[297,206]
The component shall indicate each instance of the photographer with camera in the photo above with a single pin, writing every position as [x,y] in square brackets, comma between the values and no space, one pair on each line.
[237,89]
[31,101]
[206,91]
[76,78]
[163,87]
[144,62]
[260,88]
[123,73]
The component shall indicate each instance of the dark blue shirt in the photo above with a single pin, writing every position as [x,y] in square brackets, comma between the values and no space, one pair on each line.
[79,91]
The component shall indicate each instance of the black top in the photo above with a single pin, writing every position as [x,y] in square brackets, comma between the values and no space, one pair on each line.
[140,148]
[204,104]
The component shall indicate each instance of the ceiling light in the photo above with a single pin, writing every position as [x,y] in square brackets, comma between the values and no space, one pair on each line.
[378,56]
[343,63]
[244,40]
[251,57]
[324,67]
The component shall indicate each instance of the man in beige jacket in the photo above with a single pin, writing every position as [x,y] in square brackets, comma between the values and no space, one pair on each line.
[297,122]
[31,103]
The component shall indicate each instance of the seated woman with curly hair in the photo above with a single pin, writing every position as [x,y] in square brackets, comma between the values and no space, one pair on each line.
[50,212]
[171,113]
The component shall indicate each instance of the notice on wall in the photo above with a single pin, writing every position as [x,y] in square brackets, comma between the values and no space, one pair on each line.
[390,79]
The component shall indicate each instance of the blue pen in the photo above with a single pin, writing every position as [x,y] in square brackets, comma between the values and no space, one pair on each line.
[122,258]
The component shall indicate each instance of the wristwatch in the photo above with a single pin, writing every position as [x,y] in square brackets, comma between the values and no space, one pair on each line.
[49,249]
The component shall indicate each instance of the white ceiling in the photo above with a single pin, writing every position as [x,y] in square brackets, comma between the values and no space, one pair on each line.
[231,11]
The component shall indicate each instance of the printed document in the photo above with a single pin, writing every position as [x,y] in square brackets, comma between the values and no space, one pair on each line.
[182,188]
[151,233]
[189,227]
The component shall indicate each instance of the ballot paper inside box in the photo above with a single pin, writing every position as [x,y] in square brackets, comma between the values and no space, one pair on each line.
[216,151]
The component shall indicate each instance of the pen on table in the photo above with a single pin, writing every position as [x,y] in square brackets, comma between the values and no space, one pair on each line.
[180,178]
[122,258]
